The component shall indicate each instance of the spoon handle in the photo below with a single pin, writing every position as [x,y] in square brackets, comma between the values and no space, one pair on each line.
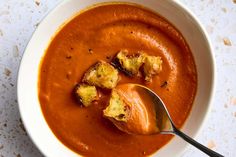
[203,148]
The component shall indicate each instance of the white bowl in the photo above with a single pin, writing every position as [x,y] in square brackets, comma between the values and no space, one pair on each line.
[27,87]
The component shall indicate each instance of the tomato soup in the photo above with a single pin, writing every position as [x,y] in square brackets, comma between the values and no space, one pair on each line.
[98,34]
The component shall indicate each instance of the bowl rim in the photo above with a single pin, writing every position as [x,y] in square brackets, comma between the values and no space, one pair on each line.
[177,3]
[213,81]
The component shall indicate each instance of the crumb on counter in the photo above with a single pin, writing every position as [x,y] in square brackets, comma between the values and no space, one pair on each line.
[37,2]
[224,10]
[227,42]
[1,33]
[211,144]
[7,72]
[233,100]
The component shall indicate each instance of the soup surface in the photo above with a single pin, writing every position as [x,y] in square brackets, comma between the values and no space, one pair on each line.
[98,34]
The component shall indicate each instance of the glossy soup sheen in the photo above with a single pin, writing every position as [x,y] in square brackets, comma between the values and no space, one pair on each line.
[98,34]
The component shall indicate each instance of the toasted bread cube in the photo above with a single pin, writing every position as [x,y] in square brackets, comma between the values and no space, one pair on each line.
[130,63]
[152,66]
[117,108]
[86,94]
[102,75]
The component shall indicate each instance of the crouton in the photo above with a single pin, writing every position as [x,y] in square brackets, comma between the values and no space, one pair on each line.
[102,75]
[152,66]
[130,64]
[86,94]
[117,108]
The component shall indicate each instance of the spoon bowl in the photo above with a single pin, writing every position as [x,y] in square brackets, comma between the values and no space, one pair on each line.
[163,121]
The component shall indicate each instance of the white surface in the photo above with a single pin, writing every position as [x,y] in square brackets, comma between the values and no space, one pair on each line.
[27,87]
[18,19]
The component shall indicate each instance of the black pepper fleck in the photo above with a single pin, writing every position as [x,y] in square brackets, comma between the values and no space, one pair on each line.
[108,57]
[68,57]
[90,51]
[164,84]
[68,76]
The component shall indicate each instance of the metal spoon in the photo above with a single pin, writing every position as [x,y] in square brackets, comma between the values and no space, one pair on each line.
[164,121]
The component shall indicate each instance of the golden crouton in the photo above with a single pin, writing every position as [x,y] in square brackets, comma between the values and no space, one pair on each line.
[102,74]
[130,64]
[117,108]
[152,66]
[86,94]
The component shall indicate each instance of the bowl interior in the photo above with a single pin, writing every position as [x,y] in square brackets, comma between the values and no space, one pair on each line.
[179,16]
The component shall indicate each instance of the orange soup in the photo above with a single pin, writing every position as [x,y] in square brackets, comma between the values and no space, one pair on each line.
[98,34]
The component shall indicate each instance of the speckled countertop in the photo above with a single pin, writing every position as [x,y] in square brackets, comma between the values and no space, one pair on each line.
[19,19]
